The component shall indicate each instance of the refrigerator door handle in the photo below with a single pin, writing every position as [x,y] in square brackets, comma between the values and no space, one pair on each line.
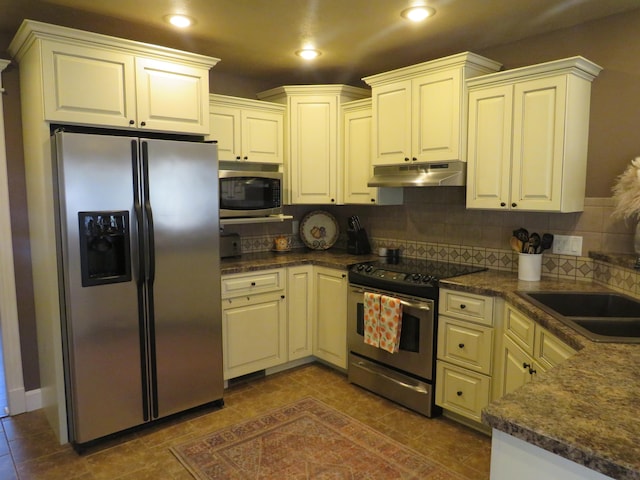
[137,208]
[150,279]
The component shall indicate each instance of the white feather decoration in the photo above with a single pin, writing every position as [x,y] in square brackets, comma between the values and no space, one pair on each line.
[626,193]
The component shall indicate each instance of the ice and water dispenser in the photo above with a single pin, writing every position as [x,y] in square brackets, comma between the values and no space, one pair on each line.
[105,255]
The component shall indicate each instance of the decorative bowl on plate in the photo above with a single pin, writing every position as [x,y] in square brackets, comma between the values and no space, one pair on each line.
[319,230]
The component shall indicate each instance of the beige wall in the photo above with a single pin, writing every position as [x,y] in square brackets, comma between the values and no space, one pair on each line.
[427,214]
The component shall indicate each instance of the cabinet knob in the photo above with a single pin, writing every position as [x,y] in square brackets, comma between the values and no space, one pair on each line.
[143,123]
[373,200]
[344,275]
[253,284]
[131,122]
[282,297]
[503,204]
[238,157]
[333,200]
[526,365]
[532,371]
[414,159]
[462,306]
[514,204]
[459,393]
[406,159]
[461,345]
[246,158]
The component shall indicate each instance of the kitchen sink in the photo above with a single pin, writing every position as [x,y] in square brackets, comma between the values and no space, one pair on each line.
[600,316]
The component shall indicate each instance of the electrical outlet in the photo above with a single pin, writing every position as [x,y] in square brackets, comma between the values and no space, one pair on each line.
[567,245]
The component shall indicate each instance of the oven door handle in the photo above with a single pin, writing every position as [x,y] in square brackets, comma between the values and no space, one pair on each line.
[419,306]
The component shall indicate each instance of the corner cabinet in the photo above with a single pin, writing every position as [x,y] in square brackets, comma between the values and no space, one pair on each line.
[314,128]
[527,349]
[527,137]
[356,154]
[330,316]
[91,79]
[247,130]
[419,112]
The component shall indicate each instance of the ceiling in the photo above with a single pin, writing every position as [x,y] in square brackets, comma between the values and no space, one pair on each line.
[257,38]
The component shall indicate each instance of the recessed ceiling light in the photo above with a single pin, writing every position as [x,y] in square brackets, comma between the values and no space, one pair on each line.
[417,13]
[308,53]
[180,21]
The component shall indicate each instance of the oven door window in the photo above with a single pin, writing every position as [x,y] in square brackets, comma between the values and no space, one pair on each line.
[409,333]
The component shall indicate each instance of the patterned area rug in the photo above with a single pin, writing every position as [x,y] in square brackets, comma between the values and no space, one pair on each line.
[305,440]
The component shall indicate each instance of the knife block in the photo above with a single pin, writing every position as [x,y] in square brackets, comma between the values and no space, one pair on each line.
[358,242]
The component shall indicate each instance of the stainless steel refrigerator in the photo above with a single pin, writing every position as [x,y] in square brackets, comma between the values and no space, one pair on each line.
[139,269]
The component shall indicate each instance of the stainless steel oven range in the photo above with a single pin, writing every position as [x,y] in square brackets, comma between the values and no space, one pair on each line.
[407,376]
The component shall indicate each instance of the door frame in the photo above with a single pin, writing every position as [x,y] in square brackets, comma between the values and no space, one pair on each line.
[9,326]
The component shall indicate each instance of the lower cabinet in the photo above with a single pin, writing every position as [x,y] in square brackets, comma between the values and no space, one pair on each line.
[330,316]
[271,317]
[527,349]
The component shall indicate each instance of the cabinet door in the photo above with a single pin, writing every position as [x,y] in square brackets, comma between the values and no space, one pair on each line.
[262,137]
[299,311]
[224,127]
[254,333]
[515,367]
[314,149]
[538,140]
[172,97]
[357,157]
[89,86]
[392,123]
[330,316]
[489,147]
[436,113]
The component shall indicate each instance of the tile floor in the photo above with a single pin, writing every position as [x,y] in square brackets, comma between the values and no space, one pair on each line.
[29,450]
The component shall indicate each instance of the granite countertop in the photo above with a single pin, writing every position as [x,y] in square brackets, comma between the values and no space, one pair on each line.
[585,410]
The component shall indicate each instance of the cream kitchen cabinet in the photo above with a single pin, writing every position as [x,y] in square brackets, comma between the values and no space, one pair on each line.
[527,349]
[313,146]
[90,79]
[527,137]
[254,321]
[419,112]
[464,365]
[330,316]
[356,154]
[247,130]
[300,311]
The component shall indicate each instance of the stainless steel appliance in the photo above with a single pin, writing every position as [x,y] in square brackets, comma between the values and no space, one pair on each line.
[408,376]
[138,238]
[247,193]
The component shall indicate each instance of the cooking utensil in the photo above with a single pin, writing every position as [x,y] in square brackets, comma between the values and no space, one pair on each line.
[516,245]
[547,241]
[521,234]
[534,243]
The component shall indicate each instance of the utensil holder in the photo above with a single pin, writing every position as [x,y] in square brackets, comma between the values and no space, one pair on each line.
[529,266]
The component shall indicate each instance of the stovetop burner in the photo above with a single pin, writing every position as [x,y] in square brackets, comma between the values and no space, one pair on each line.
[407,275]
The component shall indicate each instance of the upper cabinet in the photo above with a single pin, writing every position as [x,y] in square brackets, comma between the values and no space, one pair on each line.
[356,154]
[528,135]
[247,130]
[313,148]
[91,79]
[419,112]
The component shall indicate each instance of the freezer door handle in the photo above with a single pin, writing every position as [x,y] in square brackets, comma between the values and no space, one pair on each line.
[148,211]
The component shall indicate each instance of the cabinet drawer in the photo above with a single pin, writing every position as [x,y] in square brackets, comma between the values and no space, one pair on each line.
[461,391]
[520,328]
[549,350]
[467,306]
[465,344]
[252,283]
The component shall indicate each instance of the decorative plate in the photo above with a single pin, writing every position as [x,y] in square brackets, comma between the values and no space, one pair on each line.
[319,230]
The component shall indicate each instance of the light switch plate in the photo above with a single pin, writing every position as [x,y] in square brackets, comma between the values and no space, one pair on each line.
[567,245]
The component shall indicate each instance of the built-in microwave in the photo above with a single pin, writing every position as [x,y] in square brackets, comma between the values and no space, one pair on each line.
[245,193]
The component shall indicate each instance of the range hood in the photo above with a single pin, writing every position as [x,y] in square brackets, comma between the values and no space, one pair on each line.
[449,174]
